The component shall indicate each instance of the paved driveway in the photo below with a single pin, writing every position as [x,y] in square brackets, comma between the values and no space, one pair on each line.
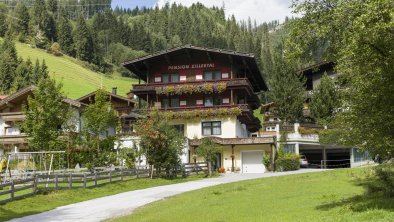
[125,203]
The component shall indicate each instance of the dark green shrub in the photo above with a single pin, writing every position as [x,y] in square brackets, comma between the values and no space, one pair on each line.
[384,180]
[287,162]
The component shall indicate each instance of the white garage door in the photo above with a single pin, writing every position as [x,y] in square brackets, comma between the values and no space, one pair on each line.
[252,162]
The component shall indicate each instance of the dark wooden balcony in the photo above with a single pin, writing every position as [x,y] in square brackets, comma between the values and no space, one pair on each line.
[237,83]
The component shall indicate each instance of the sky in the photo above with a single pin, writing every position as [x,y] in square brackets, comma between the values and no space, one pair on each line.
[259,10]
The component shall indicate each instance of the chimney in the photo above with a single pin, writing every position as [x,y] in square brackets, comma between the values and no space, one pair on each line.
[114,90]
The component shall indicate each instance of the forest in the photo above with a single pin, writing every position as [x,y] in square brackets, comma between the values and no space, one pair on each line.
[102,37]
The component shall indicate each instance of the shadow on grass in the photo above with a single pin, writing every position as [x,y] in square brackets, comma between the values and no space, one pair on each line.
[373,199]
[362,203]
[9,214]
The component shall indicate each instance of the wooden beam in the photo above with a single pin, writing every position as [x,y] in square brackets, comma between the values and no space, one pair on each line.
[209,56]
[188,53]
[168,59]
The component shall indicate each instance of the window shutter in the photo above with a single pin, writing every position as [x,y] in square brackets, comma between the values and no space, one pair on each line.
[157,77]
[199,75]
[182,102]
[182,76]
[200,102]
[226,101]
[225,74]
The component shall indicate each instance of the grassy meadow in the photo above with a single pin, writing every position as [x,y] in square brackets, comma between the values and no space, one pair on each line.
[327,196]
[77,80]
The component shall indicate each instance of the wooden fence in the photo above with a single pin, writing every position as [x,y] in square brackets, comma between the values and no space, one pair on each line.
[17,189]
[194,167]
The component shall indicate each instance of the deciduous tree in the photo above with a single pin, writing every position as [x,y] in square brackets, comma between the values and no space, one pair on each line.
[360,40]
[208,150]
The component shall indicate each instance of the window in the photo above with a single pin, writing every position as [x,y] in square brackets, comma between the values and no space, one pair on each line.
[212,75]
[174,102]
[208,101]
[212,101]
[165,103]
[180,128]
[169,102]
[217,101]
[175,77]
[165,78]
[211,128]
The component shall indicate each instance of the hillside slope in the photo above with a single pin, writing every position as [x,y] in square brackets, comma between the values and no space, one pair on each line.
[77,80]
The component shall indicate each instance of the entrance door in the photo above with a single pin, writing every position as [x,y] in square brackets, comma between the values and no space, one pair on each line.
[252,162]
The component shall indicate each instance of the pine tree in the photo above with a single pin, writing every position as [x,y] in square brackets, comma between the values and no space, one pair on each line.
[65,38]
[21,25]
[22,75]
[43,21]
[324,100]
[52,6]
[83,41]
[44,73]
[3,19]
[6,72]
[266,57]
[42,116]
[36,73]
[286,87]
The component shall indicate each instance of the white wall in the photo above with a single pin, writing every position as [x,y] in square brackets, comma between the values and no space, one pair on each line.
[231,127]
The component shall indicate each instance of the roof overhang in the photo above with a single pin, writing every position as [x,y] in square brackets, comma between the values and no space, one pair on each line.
[140,66]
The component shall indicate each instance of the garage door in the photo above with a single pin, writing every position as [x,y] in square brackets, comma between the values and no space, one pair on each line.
[252,162]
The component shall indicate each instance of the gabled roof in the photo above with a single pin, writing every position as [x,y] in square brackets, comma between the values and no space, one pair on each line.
[28,90]
[316,66]
[108,93]
[16,95]
[138,65]
[188,46]
[74,103]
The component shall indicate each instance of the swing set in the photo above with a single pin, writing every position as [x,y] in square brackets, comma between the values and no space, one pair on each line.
[23,165]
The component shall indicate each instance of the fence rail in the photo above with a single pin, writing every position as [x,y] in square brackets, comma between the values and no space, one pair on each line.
[17,189]
[194,167]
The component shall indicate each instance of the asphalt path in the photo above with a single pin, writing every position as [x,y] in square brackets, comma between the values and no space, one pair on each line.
[125,203]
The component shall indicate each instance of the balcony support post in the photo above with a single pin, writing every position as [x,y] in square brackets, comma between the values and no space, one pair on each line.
[147,101]
[232,157]
[232,97]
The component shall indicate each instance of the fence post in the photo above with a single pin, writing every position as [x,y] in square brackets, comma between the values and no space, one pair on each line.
[136,172]
[70,180]
[121,174]
[12,190]
[35,181]
[110,176]
[95,179]
[56,181]
[84,180]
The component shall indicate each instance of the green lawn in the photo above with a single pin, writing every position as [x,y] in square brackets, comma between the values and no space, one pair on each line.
[49,200]
[77,80]
[326,196]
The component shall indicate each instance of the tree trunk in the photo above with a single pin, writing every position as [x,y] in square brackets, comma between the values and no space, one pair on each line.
[151,171]
[209,168]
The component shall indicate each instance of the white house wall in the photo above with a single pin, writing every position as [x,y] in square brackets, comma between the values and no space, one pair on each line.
[230,127]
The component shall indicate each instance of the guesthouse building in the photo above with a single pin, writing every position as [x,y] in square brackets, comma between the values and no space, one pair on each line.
[207,92]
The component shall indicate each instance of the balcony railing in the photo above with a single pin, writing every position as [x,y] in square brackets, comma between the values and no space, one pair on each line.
[13,116]
[235,82]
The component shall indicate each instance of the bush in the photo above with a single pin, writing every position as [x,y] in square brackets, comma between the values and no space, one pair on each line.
[383,180]
[55,49]
[288,162]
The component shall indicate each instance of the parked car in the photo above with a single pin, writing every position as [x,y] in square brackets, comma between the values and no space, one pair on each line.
[303,161]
